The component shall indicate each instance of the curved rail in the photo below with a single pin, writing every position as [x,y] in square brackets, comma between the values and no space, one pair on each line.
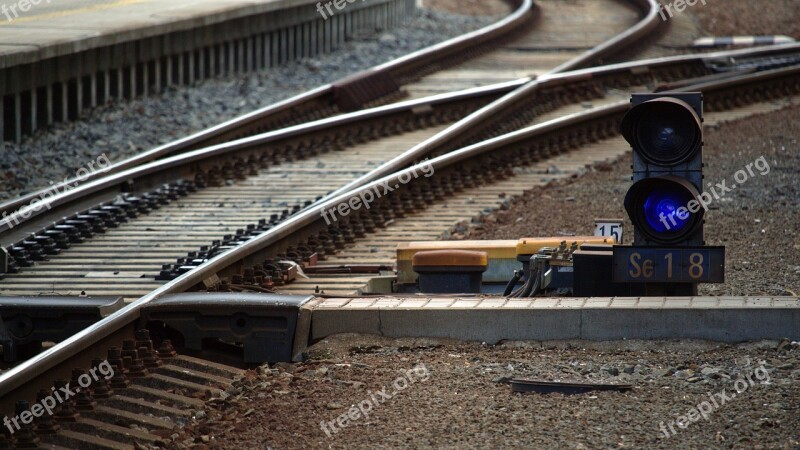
[321,96]
[476,120]
[551,89]
[649,23]
[69,202]
[310,217]
[106,188]
[25,371]
[471,122]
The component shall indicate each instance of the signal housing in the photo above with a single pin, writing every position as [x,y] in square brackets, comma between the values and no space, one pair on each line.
[665,132]
[668,254]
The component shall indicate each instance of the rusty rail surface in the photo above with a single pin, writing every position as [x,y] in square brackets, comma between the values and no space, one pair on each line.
[308,222]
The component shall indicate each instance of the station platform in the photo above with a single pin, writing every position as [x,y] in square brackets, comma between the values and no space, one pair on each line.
[493,319]
[63,27]
[58,57]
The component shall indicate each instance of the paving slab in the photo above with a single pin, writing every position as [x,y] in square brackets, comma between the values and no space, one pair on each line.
[492,319]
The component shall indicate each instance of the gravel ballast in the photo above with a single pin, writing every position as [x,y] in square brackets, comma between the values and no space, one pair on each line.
[455,395]
[123,129]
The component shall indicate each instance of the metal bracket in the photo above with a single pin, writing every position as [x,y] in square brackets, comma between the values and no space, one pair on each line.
[33,320]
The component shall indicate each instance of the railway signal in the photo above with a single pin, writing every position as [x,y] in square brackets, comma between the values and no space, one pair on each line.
[666,203]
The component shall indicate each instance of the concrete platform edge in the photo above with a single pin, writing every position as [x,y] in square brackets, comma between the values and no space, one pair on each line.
[595,324]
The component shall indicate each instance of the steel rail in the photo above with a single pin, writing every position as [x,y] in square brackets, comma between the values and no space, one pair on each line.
[470,122]
[76,197]
[17,376]
[623,39]
[322,95]
[474,120]
[110,185]
[312,215]
[452,47]
[478,118]
[648,24]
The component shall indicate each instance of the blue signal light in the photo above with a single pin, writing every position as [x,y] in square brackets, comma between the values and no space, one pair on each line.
[661,210]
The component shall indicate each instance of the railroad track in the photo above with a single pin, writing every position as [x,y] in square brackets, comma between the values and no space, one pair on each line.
[462,183]
[468,182]
[556,39]
[549,151]
[134,257]
[178,387]
[111,264]
[521,43]
[378,85]
[127,260]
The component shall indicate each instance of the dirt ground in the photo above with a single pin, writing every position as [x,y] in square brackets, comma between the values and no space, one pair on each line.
[716,17]
[749,17]
[423,393]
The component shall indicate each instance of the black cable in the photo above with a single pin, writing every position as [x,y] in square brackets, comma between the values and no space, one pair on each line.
[518,292]
[536,286]
[533,285]
[512,283]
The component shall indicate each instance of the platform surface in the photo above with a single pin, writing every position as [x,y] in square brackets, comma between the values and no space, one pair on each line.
[492,319]
[58,27]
